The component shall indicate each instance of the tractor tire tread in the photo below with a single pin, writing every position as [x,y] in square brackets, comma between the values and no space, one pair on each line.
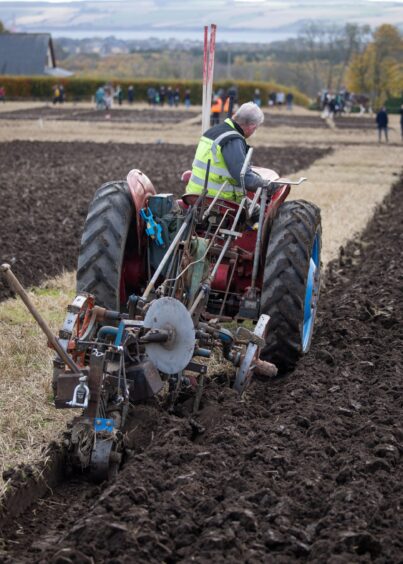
[284,280]
[103,243]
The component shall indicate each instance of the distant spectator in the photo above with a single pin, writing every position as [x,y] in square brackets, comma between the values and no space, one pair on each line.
[382,121]
[151,92]
[61,94]
[187,98]
[119,94]
[339,103]
[2,94]
[233,99]
[162,95]
[280,98]
[130,94]
[326,104]
[256,97]
[272,99]
[108,96]
[401,121]
[216,109]
[170,96]
[100,98]
[323,99]
[333,107]
[346,100]
[289,100]
[177,97]
[225,106]
[56,94]
[222,94]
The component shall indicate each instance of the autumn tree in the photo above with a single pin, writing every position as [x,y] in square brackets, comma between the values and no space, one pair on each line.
[355,37]
[326,51]
[378,70]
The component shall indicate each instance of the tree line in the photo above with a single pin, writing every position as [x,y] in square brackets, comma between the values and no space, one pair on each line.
[322,57]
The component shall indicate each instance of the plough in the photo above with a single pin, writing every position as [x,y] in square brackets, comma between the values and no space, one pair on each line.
[142,325]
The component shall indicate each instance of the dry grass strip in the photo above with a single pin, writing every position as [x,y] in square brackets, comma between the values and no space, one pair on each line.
[348,185]
[28,420]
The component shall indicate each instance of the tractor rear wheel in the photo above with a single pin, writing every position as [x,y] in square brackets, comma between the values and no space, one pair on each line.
[291,282]
[109,225]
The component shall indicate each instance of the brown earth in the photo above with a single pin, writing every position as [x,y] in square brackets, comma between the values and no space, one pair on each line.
[358,122]
[160,115]
[117,115]
[46,189]
[305,468]
[315,121]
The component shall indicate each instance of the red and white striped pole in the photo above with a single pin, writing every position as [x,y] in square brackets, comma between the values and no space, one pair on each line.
[211,65]
[208,74]
[205,60]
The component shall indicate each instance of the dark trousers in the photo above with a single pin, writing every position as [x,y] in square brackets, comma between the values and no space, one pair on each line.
[385,132]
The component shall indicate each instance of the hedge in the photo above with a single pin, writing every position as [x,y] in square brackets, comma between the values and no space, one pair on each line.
[76,89]
[393,105]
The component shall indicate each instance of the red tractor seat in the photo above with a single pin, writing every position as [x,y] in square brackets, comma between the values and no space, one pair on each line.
[190,200]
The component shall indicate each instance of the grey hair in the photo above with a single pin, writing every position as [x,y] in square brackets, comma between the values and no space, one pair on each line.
[249,114]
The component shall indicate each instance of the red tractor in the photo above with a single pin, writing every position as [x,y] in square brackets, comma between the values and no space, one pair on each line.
[158,279]
[272,270]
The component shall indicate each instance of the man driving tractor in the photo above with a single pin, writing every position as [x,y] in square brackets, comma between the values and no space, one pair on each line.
[225,146]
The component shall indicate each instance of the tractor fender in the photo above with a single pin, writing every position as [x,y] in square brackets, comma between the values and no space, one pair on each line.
[272,208]
[271,212]
[141,188]
[265,173]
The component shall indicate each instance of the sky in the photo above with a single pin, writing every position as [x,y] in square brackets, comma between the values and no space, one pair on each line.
[237,20]
[267,2]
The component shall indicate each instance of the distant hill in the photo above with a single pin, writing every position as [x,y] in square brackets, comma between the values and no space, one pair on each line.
[248,20]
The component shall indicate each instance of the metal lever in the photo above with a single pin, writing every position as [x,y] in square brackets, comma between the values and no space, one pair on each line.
[251,208]
[18,289]
[282,181]
[208,210]
[245,168]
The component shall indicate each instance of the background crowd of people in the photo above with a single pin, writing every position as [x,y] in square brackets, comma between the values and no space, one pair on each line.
[107,94]
[332,104]
[225,101]
[275,99]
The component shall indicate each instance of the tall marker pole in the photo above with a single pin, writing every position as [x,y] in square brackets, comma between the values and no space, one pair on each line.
[208,72]
[211,69]
[205,59]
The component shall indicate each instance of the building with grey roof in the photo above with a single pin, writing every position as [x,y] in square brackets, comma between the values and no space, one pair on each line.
[28,54]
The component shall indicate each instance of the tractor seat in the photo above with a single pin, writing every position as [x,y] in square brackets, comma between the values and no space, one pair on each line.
[190,200]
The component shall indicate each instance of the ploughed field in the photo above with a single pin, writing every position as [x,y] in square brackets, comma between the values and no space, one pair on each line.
[273,118]
[46,189]
[157,115]
[306,467]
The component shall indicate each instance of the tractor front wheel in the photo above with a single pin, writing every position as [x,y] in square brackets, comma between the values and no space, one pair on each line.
[291,282]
